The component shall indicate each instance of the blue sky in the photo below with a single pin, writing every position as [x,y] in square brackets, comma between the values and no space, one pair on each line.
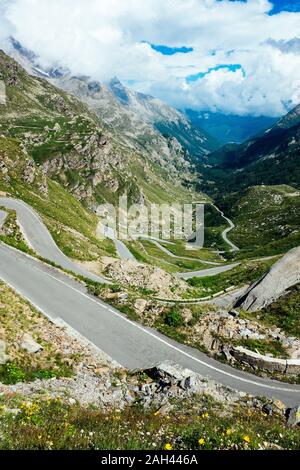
[230,67]
[240,57]
[279,5]
[166,50]
[285,5]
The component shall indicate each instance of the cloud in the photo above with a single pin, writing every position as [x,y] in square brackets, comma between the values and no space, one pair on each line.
[291,46]
[6,28]
[104,38]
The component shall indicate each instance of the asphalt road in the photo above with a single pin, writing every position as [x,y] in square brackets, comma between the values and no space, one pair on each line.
[227,230]
[133,346]
[172,255]
[122,250]
[39,239]
[207,272]
[130,344]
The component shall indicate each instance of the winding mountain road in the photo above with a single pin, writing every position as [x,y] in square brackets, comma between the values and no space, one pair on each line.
[133,346]
[207,272]
[122,250]
[227,230]
[40,240]
[172,255]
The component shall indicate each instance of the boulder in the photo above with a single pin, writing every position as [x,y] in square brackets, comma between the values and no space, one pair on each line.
[29,344]
[168,374]
[284,274]
[293,416]
[4,358]
[267,409]
[140,305]
[234,313]
[279,405]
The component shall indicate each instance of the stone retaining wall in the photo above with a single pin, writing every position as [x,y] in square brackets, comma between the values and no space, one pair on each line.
[272,364]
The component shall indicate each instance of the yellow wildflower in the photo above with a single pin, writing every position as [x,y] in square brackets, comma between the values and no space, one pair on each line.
[229,432]
[168,446]
[205,415]
[246,438]
[201,441]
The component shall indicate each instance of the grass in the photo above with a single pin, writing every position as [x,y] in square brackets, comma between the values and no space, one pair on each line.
[17,317]
[266,218]
[193,424]
[11,373]
[245,273]
[179,249]
[11,234]
[263,347]
[145,251]
[283,313]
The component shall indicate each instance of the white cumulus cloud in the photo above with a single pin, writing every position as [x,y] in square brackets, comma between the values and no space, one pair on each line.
[103,38]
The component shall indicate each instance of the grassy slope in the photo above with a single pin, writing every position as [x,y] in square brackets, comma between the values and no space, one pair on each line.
[205,425]
[17,317]
[54,125]
[284,313]
[43,422]
[267,220]
[71,225]
[243,274]
[146,251]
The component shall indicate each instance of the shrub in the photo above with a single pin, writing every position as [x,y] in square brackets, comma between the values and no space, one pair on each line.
[11,374]
[173,318]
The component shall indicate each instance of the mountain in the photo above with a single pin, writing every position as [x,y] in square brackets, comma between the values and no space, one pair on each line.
[257,185]
[142,122]
[266,218]
[167,120]
[59,137]
[227,128]
[269,158]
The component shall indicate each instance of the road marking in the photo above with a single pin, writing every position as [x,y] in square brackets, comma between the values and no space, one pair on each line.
[80,271]
[99,302]
[60,322]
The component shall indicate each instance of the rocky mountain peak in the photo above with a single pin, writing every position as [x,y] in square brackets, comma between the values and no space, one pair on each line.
[119,90]
[289,120]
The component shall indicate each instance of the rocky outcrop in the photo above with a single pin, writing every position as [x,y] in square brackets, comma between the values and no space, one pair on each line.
[131,273]
[171,380]
[219,329]
[117,389]
[282,275]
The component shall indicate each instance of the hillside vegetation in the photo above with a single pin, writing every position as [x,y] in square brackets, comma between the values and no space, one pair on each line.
[70,144]
[267,219]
